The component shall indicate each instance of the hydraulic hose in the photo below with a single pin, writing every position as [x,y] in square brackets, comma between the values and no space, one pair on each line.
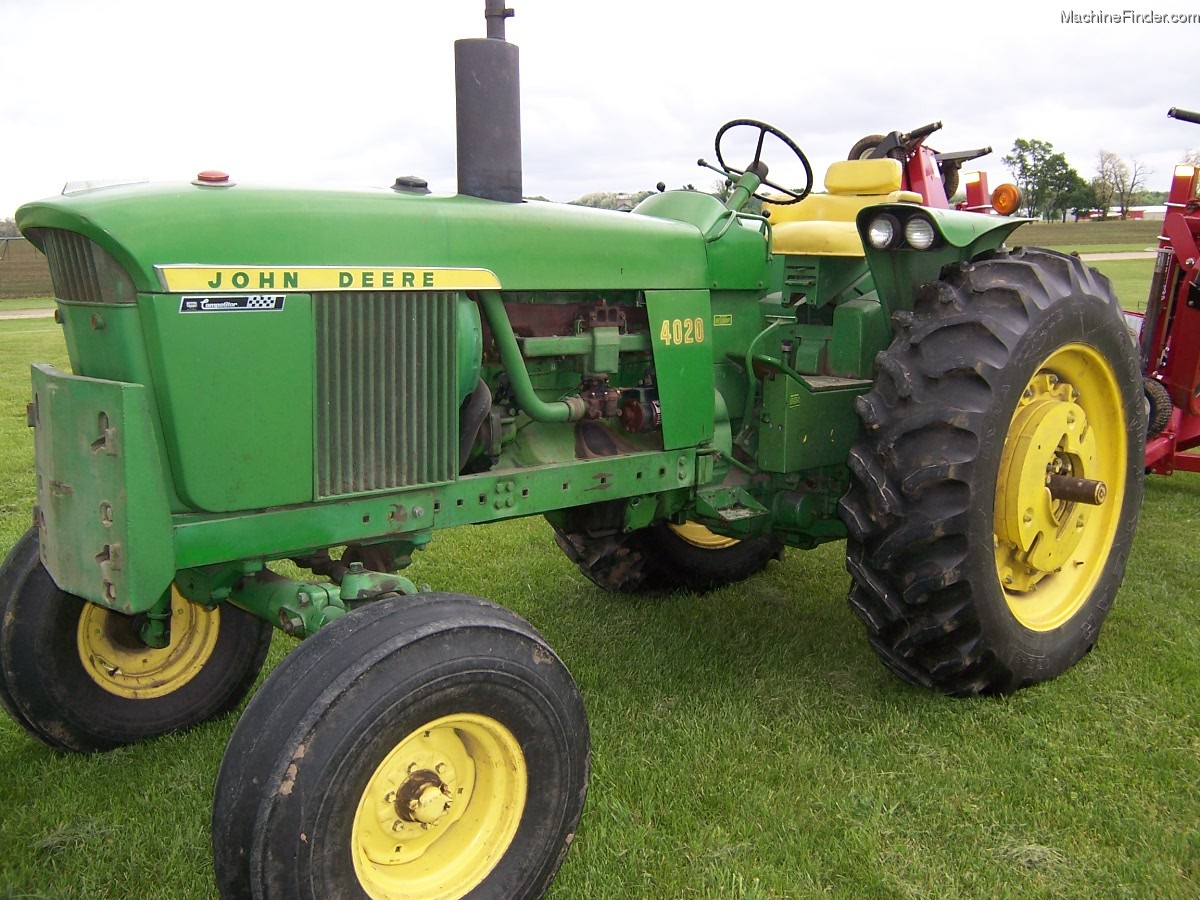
[571,409]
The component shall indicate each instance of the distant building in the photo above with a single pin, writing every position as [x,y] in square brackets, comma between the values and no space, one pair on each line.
[1151,213]
[1145,213]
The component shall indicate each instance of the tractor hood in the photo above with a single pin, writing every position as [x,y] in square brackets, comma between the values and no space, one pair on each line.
[158,232]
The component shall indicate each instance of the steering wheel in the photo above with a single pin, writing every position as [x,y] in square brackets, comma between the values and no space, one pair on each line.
[763,130]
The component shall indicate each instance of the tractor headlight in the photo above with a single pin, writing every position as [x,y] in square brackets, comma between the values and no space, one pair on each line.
[882,231]
[919,233]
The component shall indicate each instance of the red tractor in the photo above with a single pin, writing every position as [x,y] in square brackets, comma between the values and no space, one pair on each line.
[1169,332]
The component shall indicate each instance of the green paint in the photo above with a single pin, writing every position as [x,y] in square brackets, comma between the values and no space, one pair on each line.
[331,415]
[961,236]
[860,330]
[236,408]
[803,428]
[529,246]
[104,517]
[681,334]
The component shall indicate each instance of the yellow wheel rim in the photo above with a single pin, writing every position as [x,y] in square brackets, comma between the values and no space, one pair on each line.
[120,663]
[699,536]
[440,811]
[1051,551]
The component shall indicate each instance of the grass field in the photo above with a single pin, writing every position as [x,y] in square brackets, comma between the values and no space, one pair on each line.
[1089,237]
[746,744]
[23,273]
[1130,279]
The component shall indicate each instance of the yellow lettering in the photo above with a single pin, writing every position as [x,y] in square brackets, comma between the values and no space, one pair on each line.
[682,331]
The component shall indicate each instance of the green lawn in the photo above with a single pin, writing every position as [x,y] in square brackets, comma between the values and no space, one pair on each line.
[1135,247]
[746,744]
[26,303]
[1089,237]
[1130,279]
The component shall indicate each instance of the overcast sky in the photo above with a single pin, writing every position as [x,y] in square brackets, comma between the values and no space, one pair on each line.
[617,95]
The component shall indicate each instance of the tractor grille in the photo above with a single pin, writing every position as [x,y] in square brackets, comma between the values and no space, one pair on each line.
[82,271]
[386,378]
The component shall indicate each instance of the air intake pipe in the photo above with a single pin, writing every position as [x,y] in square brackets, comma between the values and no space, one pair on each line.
[488,95]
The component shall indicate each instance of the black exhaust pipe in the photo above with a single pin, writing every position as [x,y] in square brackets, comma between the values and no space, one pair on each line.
[488,89]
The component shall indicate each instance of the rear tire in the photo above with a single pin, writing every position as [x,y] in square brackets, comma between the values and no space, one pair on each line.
[969,575]
[427,746]
[77,678]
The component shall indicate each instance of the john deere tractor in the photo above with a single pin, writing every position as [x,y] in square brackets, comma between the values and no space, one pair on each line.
[330,377]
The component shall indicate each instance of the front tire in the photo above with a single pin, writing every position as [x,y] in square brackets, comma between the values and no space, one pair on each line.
[1158,406]
[76,677]
[864,147]
[663,557]
[432,746]
[690,556]
[971,574]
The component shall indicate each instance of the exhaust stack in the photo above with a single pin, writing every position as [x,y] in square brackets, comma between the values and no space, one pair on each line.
[488,96]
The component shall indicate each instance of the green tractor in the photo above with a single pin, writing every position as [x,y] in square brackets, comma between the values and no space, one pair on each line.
[682,391]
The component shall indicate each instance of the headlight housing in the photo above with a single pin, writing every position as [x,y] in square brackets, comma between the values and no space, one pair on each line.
[920,233]
[902,229]
[883,231]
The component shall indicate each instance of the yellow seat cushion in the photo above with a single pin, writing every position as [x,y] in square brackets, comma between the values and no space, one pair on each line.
[823,224]
[819,238]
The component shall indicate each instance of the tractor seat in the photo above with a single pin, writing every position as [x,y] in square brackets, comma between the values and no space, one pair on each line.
[823,224]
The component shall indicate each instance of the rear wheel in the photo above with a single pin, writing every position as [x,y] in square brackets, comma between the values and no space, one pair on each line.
[77,677]
[995,496]
[425,747]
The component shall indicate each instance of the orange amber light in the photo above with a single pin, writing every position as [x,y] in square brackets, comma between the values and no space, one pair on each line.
[1006,199]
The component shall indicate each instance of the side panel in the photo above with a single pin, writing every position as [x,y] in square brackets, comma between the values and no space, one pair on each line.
[681,336]
[803,429]
[234,388]
[104,524]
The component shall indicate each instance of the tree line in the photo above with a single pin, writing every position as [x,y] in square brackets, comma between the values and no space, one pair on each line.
[1052,189]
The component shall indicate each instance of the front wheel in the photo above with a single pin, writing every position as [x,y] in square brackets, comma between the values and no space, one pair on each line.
[425,747]
[995,494]
[77,677]
[663,557]
[692,557]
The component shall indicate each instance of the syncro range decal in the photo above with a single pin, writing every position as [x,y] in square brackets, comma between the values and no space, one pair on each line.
[244,303]
[207,279]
